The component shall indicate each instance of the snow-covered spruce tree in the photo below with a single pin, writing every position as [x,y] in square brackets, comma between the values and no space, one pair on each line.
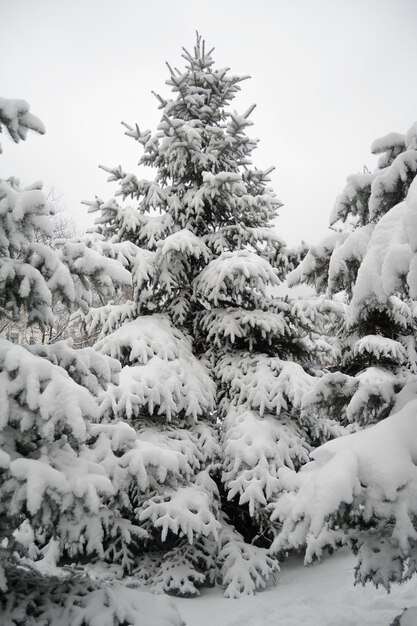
[206,253]
[365,484]
[377,342]
[56,500]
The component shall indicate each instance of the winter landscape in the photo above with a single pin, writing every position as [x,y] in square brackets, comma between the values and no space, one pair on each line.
[205,418]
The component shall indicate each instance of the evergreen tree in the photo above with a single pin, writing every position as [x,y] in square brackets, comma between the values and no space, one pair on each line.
[205,252]
[56,500]
[377,344]
[364,486]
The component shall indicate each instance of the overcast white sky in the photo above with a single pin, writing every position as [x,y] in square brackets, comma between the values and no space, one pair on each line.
[328,77]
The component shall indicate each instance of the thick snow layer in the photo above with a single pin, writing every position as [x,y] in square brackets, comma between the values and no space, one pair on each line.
[23,213]
[85,261]
[348,253]
[313,268]
[380,347]
[374,473]
[354,198]
[152,228]
[263,383]
[185,511]
[245,568]
[231,324]
[124,251]
[85,366]
[186,242]
[351,399]
[254,450]
[319,595]
[387,142]
[234,272]
[390,257]
[392,181]
[104,320]
[381,458]
[143,338]
[161,373]
[16,117]
[52,399]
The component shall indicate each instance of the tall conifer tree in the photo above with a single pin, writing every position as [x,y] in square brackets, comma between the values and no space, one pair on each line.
[207,251]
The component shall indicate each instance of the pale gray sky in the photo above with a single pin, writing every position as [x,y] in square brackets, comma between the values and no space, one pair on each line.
[328,77]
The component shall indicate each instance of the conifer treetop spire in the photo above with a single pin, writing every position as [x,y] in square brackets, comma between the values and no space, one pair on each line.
[203,186]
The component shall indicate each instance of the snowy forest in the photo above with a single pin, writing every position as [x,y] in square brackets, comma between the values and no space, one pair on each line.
[175,415]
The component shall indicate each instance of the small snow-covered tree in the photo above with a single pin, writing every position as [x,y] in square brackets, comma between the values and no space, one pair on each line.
[56,499]
[205,250]
[364,485]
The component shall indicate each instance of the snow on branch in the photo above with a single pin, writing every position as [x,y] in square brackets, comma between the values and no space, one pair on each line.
[244,568]
[374,473]
[264,384]
[16,118]
[390,262]
[234,325]
[161,375]
[54,401]
[254,450]
[187,511]
[234,273]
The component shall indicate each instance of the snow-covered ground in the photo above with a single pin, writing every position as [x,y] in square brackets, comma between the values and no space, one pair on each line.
[319,595]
